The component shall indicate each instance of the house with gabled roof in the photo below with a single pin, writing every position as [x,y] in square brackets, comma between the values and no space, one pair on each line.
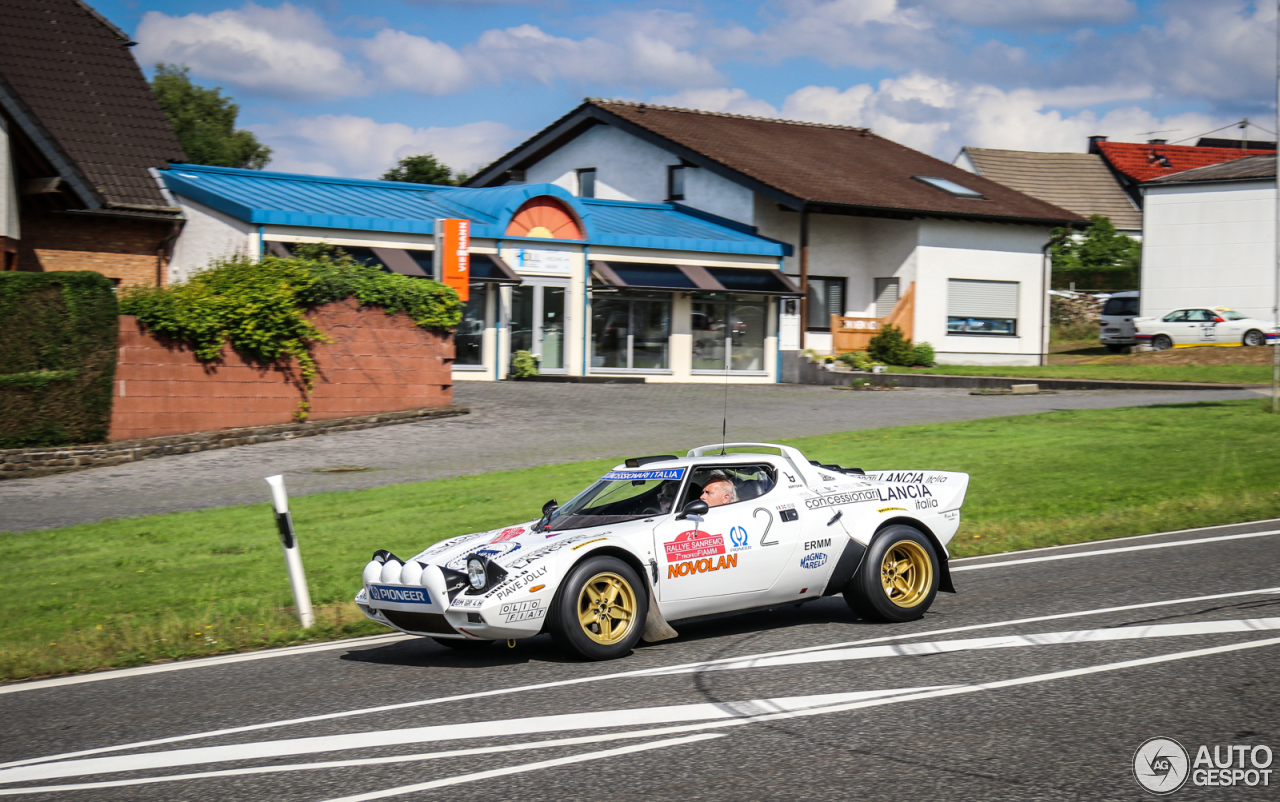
[80,136]
[1134,163]
[876,230]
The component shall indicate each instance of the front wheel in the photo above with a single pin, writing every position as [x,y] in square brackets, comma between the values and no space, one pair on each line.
[898,578]
[1254,338]
[600,609]
[1161,342]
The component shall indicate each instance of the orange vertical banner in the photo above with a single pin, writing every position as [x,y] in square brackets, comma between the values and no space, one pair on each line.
[453,254]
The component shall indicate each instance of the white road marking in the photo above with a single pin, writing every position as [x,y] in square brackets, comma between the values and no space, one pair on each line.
[1100,552]
[204,662]
[998,642]
[604,719]
[526,767]
[626,675]
[1121,539]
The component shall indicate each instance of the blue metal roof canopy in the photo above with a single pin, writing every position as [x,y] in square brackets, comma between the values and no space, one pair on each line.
[288,199]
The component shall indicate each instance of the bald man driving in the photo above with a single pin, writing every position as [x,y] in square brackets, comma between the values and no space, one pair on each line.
[719,490]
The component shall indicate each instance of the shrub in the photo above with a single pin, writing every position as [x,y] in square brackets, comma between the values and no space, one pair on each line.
[523,365]
[858,360]
[57,358]
[922,354]
[891,347]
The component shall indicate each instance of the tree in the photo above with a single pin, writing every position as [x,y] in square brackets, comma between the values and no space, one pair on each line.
[205,121]
[1102,259]
[423,169]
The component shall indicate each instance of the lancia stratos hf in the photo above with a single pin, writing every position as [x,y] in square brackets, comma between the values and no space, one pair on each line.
[663,538]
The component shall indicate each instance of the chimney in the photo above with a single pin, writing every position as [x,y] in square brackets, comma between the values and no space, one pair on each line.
[1093,142]
[1157,141]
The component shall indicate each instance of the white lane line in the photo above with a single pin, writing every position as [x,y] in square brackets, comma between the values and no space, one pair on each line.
[604,719]
[998,642]
[526,767]
[204,662]
[1100,552]
[1121,539]
[627,675]
[924,693]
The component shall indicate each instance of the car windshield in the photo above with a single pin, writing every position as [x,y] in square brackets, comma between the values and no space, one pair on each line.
[620,496]
[1229,314]
[1121,306]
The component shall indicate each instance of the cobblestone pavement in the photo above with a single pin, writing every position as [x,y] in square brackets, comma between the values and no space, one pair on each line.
[517,425]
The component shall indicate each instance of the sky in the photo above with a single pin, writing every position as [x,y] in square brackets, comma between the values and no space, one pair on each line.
[337,87]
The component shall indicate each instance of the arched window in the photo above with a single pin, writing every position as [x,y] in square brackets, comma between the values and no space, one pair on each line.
[546,217]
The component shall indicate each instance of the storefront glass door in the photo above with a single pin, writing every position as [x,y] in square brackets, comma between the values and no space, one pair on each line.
[729,332]
[538,323]
[630,333]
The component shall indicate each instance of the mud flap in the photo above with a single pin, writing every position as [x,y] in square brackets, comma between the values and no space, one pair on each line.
[656,627]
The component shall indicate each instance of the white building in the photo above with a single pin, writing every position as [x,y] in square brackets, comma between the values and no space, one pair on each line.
[1209,238]
[867,221]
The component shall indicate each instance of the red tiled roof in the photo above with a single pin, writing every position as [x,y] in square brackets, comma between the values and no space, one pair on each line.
[1143,162]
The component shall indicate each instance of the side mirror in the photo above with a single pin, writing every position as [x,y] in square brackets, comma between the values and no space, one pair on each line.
[550,507]
[694,509]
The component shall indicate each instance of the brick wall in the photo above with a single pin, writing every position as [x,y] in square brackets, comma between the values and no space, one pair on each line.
[118,248]
[377,363]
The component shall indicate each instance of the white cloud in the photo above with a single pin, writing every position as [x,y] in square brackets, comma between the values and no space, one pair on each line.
[417,63]
[940,116]
[281,52]
[637,59]
[1034,14]
[733,101]
[358,147]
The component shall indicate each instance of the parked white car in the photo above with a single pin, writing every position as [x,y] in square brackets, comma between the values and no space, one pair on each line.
[642,546]
[1183,328]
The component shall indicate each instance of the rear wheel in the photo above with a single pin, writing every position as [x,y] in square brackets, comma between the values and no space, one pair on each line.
[1161,342]
[898,578]
[1253,337]
[600,609]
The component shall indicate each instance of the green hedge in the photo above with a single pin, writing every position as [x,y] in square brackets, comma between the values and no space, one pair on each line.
[58,338]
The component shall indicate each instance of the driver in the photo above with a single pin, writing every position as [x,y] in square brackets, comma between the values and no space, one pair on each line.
[719,490]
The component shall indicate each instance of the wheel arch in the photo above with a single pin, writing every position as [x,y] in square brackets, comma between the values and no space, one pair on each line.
[606,551]
[944,560]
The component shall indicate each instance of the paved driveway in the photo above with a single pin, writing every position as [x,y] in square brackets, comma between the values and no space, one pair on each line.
[517,425]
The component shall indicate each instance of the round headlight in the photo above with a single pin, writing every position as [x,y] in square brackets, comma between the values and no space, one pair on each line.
[475,573]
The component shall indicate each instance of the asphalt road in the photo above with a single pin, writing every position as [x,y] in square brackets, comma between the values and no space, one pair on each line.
[1039,680]
[517,425]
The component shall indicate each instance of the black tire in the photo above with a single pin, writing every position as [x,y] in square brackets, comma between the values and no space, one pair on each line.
[617,625]
[1253,338]
[1161,342]
[1117,349]
[457,644]
[884,590]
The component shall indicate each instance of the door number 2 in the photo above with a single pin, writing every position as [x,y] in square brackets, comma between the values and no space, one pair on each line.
[764,538]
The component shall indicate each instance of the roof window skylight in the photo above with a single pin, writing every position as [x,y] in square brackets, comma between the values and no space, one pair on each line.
[948,186]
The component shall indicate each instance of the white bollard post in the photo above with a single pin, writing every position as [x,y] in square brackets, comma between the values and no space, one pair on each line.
[292,558]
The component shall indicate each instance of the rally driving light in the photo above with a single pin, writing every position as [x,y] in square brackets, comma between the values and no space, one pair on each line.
[476,574]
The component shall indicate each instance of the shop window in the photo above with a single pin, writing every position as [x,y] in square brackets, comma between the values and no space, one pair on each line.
[982,307]
[826,298]
[587,182]
[630,332]
[469,339]
[675,182]
[729,332]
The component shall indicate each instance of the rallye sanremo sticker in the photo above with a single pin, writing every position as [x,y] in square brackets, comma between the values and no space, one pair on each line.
[626,476]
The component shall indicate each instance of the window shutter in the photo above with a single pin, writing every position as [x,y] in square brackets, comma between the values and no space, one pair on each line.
[886,296]
[969,298]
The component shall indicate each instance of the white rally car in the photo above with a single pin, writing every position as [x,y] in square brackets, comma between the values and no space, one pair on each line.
[641,547]
[1218,325]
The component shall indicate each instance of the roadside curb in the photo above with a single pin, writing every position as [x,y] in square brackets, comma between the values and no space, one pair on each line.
[22,463]
[1005,382]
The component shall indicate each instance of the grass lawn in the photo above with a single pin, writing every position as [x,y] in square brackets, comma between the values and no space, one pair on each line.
[132,591]
[1226,374]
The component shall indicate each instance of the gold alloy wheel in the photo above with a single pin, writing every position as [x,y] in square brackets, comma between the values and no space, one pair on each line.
[607,608]
[906,573]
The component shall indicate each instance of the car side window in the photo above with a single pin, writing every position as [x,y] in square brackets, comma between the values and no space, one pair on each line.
[748,481]
[1176,316]
[1199,315]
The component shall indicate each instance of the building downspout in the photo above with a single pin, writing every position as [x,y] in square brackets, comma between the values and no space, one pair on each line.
[164,251]
[1044,312]
[804,272]
[586,301]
